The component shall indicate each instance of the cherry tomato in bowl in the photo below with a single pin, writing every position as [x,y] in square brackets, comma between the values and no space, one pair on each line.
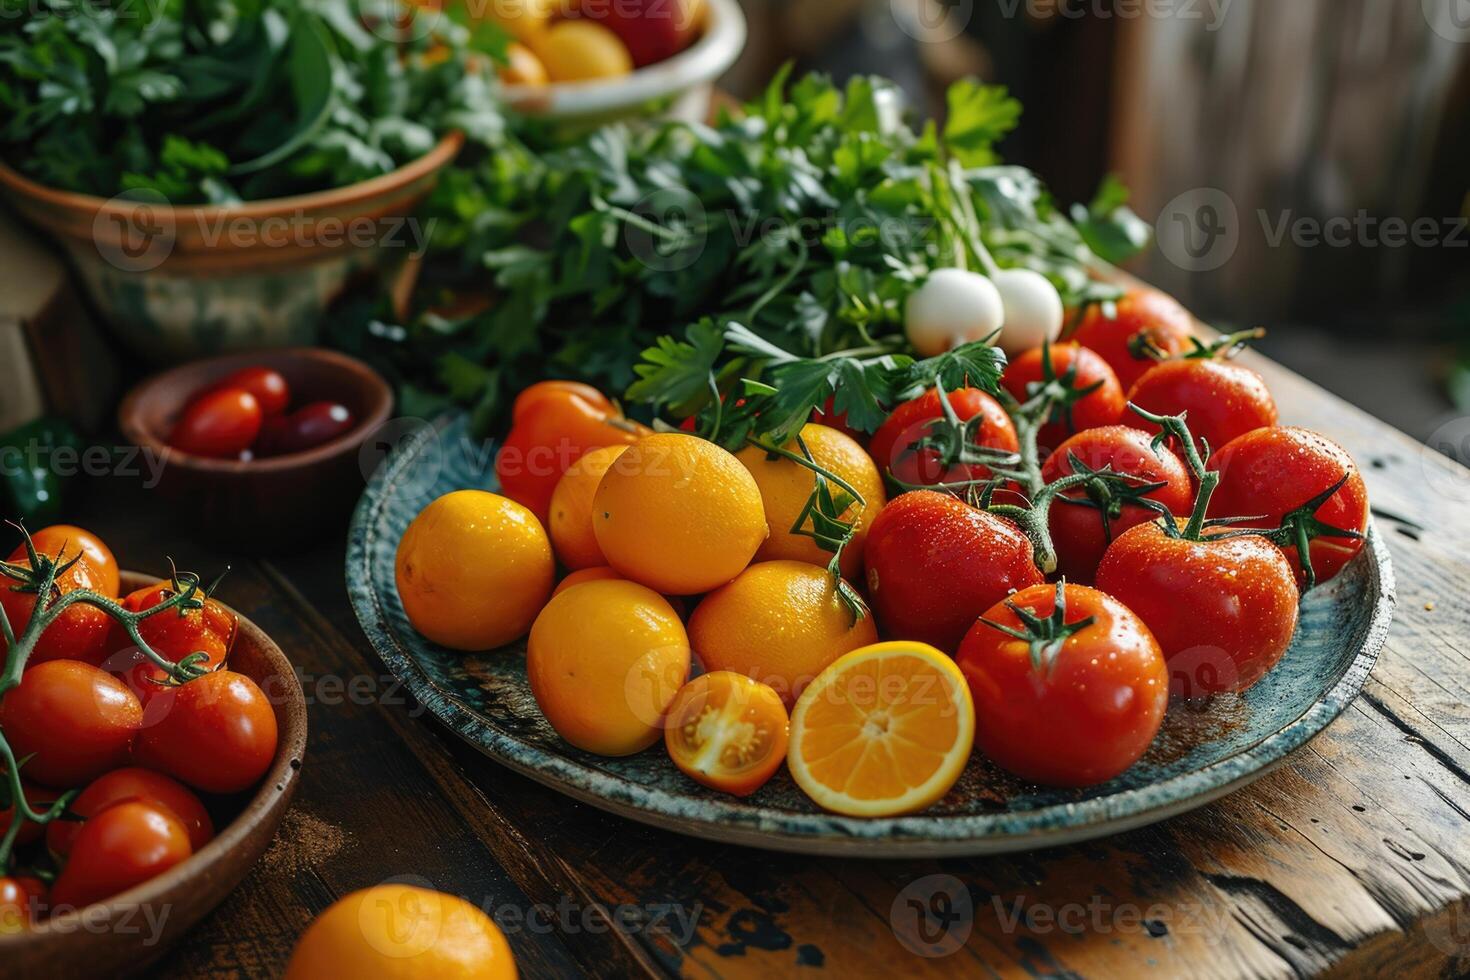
[67,540]
[21,901]
[79,632]
[268,386]
[220,424]
[216,733]
[727,731]
[122,846]
[122,785]
[312,425]
[73,720]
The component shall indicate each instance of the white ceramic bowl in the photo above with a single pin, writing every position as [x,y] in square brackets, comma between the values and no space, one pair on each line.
[677,89]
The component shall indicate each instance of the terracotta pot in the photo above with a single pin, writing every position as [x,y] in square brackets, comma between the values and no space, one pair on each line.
[122,936]
[278,503]
[178,282]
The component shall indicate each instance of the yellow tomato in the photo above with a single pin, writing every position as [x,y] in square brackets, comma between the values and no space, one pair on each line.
[571,509]
[582,51]
[779,622]
[727,732]
[678,514]
[473,570]
[399,932]
[522,67]
[786,486]
[605,660]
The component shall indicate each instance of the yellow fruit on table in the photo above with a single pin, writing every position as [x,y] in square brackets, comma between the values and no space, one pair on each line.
[605,660]
[582,51]
[571,509]
[779,622]
[522,67]
[473,570]
[678,514]
[786,486]
[885,730]
[399,932]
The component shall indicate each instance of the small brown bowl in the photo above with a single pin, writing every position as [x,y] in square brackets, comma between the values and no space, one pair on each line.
[123,935]
[267,505]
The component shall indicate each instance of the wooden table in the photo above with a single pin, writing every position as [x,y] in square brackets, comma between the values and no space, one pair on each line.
[1353,857]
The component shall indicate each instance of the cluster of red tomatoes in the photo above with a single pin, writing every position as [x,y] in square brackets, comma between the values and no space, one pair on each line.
[1074,696]
[246,416]
[92,713]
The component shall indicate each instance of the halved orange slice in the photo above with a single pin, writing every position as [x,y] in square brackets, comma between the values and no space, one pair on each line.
[884,730]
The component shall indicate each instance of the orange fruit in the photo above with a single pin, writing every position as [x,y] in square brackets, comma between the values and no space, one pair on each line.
[727,732]
[571,509]
[779,622]
[584,575]
[605,660]
[678,514]
[786,486]
[473,570]
[400,932]
[582,51]
[522,67]
[885,730]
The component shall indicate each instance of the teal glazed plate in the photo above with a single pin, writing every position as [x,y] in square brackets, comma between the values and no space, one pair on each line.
[1204,751]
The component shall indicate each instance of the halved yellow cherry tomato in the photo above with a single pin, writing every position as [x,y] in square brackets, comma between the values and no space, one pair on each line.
[727,731]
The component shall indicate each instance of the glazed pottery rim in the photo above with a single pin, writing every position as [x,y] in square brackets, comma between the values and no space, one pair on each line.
[917,835]
[441,154]
[711,55]
[269,802]
[128,413]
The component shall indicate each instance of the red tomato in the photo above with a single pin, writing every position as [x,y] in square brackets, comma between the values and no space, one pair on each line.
[121,847]
[1273,472]
[893,450]
[1103,406]
[67,540]
[268,387]
[74,720]
[1224,400]
[935,563]
[39,801]
[727,732]
[1146,321]
[21,899]
[216,733]
[310,426]
[219,424]
[79,633]
[173,634]
[1080,719]
[1079,529]
[1222,609]
[122,785]
[553,424]
[652,30]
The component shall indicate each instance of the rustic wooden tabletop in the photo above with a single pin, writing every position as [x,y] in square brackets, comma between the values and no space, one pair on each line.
[1354,857]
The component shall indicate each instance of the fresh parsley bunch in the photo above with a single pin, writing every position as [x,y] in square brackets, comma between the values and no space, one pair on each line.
[221,101]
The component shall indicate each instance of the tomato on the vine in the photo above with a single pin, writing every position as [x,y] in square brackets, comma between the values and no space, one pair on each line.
[201,625]
[1223,400]
[68,540]
[219,424]
[1098,398]
[1084,521]
[21,898]
[122,785]
[1223,608]
[37,799]
[935,563]
[119,848]
[727,731]
[79,632]
[74,720]
[1301,480]
[1067,693]
[216,733]
[1149,326]
[554,423]
[919,445]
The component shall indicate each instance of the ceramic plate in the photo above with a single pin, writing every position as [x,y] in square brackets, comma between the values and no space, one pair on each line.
[1201,754]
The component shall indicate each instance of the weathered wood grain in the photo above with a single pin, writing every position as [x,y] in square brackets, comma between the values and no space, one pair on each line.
[1353,858]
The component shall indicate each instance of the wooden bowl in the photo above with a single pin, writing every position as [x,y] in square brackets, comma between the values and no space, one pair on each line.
[123,935]
[274,504]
